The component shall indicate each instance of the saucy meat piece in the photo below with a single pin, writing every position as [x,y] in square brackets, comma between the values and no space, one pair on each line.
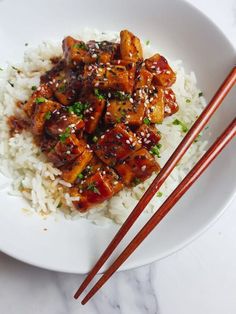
[71,171]
[42,113]
[171,105]
[137,167]
[108,77]
[128,111]
[43,92]
[98,188]
[66,151]
[93,113]
[17,125]
[149,135]
[131,68]
[51,74]
[116,144]
[62,123]
[130,46]
[102,52]
[163,74]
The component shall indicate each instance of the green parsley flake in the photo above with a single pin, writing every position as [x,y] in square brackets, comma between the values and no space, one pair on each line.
[80,176]
[148,42]
[92,187]
[146,121]
[80,45]
[40,100]
[95,139]
[34,87]
[62,88]
[155,150]
[188,100]
[200,94]
[64,135]
[48,115]
[98,94]
[136,181]
[78,108]
[121,96]
[184,127]
[159,194]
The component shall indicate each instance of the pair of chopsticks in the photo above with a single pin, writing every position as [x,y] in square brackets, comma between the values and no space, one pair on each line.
[192,176]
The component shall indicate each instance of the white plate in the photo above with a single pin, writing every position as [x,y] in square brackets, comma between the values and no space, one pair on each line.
[176,29]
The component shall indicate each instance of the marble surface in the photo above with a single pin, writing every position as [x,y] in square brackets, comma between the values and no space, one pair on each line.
[200,279]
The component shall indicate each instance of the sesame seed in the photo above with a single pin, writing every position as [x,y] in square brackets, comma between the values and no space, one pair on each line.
[143,168]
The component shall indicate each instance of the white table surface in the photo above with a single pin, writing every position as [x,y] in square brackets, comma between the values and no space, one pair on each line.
[200,279]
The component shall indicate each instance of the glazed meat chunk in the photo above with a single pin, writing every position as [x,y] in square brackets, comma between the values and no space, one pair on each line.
[130,46]
[149,135]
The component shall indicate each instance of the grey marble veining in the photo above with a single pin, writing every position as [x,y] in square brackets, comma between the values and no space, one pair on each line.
[51,292]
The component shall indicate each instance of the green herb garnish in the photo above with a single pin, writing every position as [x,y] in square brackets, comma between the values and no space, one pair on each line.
[40,100]
[146,121]
[159,194]
[136,181]
[64,135]
[95,139]
[147,42]
[59,205]
[62,88]
[92,187]
[34,87]
[188,100]
[48,115]
[155,150]
[98,94]
[78,108]
[80,45]
[121,96]
[182,124]
[200,94]
[80,176]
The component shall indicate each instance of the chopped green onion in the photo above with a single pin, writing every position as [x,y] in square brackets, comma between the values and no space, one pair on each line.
[95,139]
[64,135]
[40,100]
[155,150]
[80,176]
[98,94]
[136,181]
[188,100]
[78,108]
[48,115]
[147,42]
[159,194]
[92,187]
[121,95]
[146,121]
[34,87]
[200,94]
[80,45]
[182,124]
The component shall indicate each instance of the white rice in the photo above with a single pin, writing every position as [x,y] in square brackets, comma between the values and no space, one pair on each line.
[34,178]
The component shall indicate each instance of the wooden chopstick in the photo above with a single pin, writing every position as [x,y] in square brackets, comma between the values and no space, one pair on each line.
[163,174]
[192,176]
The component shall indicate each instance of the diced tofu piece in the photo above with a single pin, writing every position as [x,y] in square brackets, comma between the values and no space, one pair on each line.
[102,52]
[98,188]
[70,173]
[131,68]
[53,72]
[66,151]
[42,111]
[116,144]
[149,135]
[76,51]
[63,122]
[130,46]
[94,165]
[43,91]
[143,80]
[137,167]
[171,105]
[126,111]
[155,107]
[108,77]
[93,113]
[163,74]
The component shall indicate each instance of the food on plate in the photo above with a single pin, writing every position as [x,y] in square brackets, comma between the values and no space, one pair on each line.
[96,120]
